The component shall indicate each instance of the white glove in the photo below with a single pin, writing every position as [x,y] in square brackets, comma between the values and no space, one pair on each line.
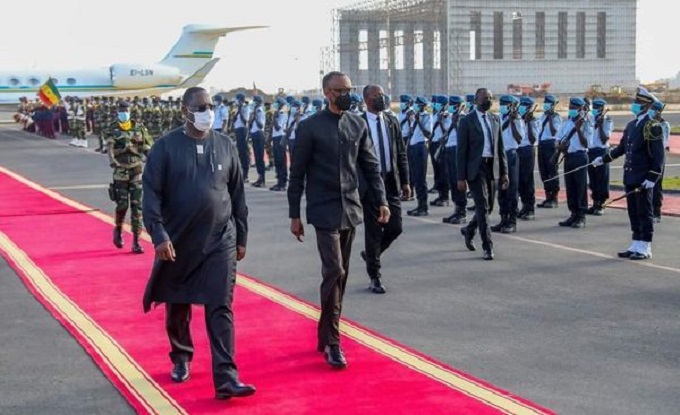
[598,161]
[648,184]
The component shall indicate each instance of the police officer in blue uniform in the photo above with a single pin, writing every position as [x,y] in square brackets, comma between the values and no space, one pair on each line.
[278,144]
[450,144]
[241,118]
[440,121]
[657,199]
[256,129]
[526,154]
[598,177]
[417,154]
[551,123]
[406,119]
[642,144]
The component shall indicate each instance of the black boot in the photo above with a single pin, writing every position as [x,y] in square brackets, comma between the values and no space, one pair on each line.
[259,182]
[510,225]
[118,236]
[500,225]
[569,221]
[136,247]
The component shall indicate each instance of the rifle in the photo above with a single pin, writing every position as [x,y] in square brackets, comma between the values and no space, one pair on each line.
[599,123]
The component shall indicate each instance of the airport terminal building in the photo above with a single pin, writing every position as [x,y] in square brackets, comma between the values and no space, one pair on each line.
[455,46]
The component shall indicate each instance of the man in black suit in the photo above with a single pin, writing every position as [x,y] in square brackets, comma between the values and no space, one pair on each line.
[331,147]
[388,143]
[479,146]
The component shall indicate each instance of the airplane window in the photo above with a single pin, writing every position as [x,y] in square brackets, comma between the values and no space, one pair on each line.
[34,81]
[71,81]
[14,81]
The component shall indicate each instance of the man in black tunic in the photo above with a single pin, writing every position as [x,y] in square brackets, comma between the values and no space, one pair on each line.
[330,146]
[194,208]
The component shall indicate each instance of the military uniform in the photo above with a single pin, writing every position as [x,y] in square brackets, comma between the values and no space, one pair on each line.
[598,177]
[129,143]
[526,153]
[657,198]
[551,123]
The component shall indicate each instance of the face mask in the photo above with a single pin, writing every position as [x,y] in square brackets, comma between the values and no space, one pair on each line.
[379,103]
[635,108]
[651,113]
[594,112]
[403,106]
[472,107]
[547,107]
[485,106]
[437,107]
[417,108]
[504,109]
[343,102]
[452,109]
[522,110]
[573,113]
[203,120]
[123,116]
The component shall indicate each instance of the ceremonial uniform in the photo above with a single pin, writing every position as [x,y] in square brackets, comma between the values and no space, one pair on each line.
[450,150]
[526,154]
[551,123]
[241,118]
[279,119]
[598,177]
[441,122]
[256,129]
[417,155]
[657,198]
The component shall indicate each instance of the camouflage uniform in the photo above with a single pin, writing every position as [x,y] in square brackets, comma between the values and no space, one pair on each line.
[127,151]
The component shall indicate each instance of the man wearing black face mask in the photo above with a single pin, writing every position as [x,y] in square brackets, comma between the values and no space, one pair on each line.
[388,143]
[479,146]
[331,147]
[195,210]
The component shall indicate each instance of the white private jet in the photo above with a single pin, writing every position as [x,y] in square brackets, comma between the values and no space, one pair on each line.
[187,63]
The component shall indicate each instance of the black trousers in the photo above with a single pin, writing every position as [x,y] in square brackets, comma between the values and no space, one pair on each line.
[576,183]
[640,213]
[525,184]
[483,189]
[598,177]
[507,198]
[377,236]
[547,169]
[657,194]
[335,247]
[457,197]
[432,150]
[243,149]
[219,321]
[417,163]
[280,161]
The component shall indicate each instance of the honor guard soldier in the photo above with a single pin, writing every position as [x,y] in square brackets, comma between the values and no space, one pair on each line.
[573,142]
[256,129]
[469,103]
[357,103]
[598,177]
[526,153]
[642,144]
[417,154]
[657,198]
[279,119]
[406,119]
[241,117]
[78,113]
[294,118]
[551,123]
[450,150]
[441,121]
[128,143]
[221,114]
[512,133]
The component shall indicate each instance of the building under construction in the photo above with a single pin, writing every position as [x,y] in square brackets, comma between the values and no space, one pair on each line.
[523,47]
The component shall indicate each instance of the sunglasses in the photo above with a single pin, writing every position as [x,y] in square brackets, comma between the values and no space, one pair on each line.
[343,91]
[201,108]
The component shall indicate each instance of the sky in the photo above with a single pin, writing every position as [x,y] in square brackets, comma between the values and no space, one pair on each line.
[96,33]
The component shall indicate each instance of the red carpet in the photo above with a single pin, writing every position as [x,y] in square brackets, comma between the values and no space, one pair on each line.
[68,262]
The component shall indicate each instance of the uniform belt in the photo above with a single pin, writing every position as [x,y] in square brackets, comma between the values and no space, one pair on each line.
[577,151]
[487,159]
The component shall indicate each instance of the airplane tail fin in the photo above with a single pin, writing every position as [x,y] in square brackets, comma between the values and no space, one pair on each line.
[198,76]
[195,47]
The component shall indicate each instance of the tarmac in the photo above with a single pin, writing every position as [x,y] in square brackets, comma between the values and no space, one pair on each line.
[556,318]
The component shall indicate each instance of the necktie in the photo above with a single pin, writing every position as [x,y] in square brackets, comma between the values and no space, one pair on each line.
[488,131]
[381,145]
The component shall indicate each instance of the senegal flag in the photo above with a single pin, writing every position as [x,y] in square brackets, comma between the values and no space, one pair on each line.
[48,93]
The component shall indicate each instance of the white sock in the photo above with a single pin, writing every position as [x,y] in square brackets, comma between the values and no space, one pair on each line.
[632,246]
[648,249]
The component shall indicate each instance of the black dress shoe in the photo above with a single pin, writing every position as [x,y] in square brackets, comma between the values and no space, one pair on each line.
[335,357]
[497,227]
[234,390]
[469,243]
[180,372]
[488,254]
[625,254]
[528,215]
[417,212]
[376,286]
[448,219]
[509,228]
[637,256]
[579,223]
[568,221]
[118,237]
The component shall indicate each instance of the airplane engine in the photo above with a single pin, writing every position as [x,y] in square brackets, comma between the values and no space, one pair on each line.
[133,76]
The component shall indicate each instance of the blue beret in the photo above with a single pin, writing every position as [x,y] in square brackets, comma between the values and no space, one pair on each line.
[550,99]
[218,98]
[455,99]
[440,99]
[421,100]
[281,101]
[508,99]
[305,99]
[356,98]
[599,102]
[528,101]
[657,106]
[317,102]
[257,98]
[295,103]
[470,97]
[405,98]
[388,98]
[240,96]
[290,99]
[578,101]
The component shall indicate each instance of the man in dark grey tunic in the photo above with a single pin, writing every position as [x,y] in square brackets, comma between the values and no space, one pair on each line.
[195,210]
[331,146]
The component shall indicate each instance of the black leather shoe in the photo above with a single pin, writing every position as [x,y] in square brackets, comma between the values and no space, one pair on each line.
[579,223]
[433,190]
[636,256]
[335,357]
[548,204]
[528,215]
[180,372]
[498,226]
[136,247]
[418,212]
[625,254]
[458,220]
[439,202]
[376,286]
[277,188]
[469,243]
[234,390]
[118,237]
[509,228]
[568,221]
[259,183]
[448,219]
[488,254]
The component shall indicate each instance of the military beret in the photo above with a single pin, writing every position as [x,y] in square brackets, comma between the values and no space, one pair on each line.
[123,104]
[317,102]
[455,99]
[240,97]
[528,101]
[645,96]
[305,100]
[218,98]
[257,98]
[508,99]
[421,100]
[405,98]
[295,103]
[599,102]
[290,99]
[440,99]
[470,97]
[577,101]
[550,99]
[356,98]
[658,106]
[281,101]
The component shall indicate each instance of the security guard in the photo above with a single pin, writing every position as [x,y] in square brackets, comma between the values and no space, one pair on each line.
[526,154]
[657,199]
[551,124]
[128,142]
[417,154]
[642,144]
[573,141]
[598,177]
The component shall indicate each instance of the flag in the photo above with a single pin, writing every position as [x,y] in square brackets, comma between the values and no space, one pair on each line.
[48,93]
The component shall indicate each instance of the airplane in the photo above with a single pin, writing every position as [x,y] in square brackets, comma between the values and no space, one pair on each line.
[185,66]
